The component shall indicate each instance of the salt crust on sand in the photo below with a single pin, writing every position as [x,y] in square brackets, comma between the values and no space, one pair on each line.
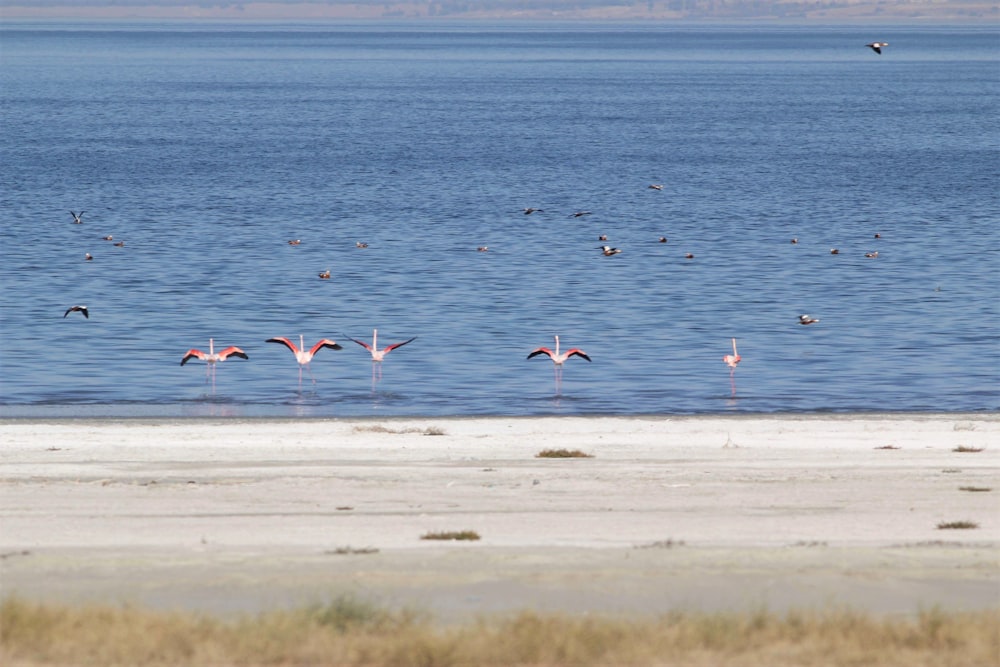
[668,513]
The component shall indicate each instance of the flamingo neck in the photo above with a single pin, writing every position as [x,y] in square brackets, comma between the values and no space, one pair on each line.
[211,346]
[302,342]
[374,339]
[557,346]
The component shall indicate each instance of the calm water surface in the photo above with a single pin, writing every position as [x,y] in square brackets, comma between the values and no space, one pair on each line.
[207,148]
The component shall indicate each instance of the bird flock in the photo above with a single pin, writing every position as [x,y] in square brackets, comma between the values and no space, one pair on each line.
[304,357]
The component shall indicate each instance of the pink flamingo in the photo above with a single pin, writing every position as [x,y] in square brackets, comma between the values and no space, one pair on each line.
[213,358]
[302,355]
[732,360]
[558,359]
[378,355]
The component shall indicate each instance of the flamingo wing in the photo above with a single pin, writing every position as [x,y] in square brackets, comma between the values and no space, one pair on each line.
[359,342]
[193,354]
[577,352]
[395,345]
[284,341]
[232,351]
[326,342]
[542,350]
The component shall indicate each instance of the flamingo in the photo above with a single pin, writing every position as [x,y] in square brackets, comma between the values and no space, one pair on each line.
[213,358]
[77,219]
[732,360]
[77,309]
[378,355]
[877,46]
[303,356]
[558,359]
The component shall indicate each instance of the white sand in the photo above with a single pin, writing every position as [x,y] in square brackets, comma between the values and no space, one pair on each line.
[797,511]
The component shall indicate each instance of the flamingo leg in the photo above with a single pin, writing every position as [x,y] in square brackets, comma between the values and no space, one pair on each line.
[732,380]
[309,370]
[558,380]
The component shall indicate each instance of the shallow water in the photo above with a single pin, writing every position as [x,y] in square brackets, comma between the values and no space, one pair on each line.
[207,148]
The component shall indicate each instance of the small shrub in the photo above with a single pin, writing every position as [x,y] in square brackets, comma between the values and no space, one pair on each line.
[957,525]
[451,535]
[965,449]
[562,454]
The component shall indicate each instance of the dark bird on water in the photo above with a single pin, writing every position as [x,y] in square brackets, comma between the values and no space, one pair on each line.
[877,46]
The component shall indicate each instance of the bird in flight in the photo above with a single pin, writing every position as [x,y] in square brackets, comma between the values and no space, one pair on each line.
[607,250]
[211,358]
[77,309]
[877,46]
[530,210]
[805,319]
[77,219]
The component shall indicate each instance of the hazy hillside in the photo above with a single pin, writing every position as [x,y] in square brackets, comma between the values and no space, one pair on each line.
[797,10]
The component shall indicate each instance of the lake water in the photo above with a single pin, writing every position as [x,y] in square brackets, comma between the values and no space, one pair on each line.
[206,148]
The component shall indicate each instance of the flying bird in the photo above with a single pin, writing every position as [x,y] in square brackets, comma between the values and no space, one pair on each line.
[77,219]
[212,358]
[877,46]
[77,309]
[530,210]
[302,355]
[655,186]
[607,251]
[805,319]
[579,214]
[558,359]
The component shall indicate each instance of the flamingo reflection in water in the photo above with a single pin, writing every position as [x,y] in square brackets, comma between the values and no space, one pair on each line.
[732,360]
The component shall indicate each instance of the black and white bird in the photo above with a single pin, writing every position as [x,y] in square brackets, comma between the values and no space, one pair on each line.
[805,319]
[877,46]
[77,219]
[607,251]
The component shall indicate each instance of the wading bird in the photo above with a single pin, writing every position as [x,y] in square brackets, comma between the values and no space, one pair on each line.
[77,219]
[77,309]
[212,358]
[302,355]
[732,360]
[558,359]
[877,46]
[378,355]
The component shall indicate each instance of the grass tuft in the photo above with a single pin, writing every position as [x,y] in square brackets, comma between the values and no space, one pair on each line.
[957,525]
[888,447]
[965,449]
[379,428]
[975,489]
[563,454]
[451,535]
[349,632]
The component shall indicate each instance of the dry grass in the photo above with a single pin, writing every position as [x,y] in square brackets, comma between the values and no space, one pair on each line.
[976,489]
[965,449]
[957,525]
[563,454]
[347,632]
[888,447]
[378,428]
[451,535]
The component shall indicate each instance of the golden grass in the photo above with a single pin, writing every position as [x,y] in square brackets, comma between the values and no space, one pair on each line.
[965,449]
[957,525]
[348,633]
[563,454]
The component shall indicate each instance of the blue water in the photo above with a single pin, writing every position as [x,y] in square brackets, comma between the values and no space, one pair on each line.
[207,148]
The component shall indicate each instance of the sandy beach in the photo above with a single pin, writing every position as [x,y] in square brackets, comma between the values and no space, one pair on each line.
[691,513]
